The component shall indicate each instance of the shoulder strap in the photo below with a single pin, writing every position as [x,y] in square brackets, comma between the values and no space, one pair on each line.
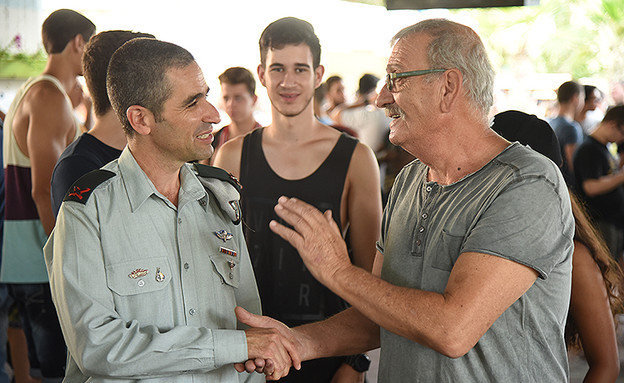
[81,190]
[223,186]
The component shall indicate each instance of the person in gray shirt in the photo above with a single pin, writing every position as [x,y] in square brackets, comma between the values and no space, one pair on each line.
[472,276]
[147,260]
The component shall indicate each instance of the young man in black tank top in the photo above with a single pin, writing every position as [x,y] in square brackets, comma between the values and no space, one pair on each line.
[299,157]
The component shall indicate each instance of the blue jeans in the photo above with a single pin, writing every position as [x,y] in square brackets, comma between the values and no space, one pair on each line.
[46,346]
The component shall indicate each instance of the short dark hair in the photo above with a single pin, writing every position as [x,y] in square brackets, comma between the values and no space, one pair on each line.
[238,75]
[615,114]
[95,61]
[61,27]
[332,80]
[367,84]
[567,91]
[290,31]
[137,75]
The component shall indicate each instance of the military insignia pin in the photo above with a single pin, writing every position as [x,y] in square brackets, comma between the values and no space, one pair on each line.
[236,206]
[227,251]
[138,273]
[223,235]
[160,277]
[231,264]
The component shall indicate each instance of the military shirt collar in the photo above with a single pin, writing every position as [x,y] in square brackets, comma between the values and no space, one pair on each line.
[139,187]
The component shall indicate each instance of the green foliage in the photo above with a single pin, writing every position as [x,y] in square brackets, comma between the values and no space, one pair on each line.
[580,37]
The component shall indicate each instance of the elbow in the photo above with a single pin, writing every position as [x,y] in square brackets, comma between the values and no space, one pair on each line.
[453,344]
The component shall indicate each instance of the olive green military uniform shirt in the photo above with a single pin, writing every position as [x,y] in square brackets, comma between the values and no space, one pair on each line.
[146,291]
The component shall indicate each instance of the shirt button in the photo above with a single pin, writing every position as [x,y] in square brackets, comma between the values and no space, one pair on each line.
[418,242]
[202,202]
[180,220]
[186,266]
[192,311]
[428,188]
[425,215]
[421,229]
[141,283]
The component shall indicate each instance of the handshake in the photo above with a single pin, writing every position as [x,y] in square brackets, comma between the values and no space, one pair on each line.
[272,347]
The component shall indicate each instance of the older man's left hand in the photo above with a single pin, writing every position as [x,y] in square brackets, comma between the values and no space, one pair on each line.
[315,236]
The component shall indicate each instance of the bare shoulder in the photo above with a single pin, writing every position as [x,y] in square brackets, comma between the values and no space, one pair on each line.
[228,157]
[363,159]
[48,109]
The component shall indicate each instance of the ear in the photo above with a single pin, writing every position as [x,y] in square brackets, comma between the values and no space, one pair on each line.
[78,43]
[318,76]
[141,119]
[254,98]
[261,75]
[451,89]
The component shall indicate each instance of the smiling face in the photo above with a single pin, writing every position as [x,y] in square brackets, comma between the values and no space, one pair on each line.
[290,79]
[410,104]
[184,132]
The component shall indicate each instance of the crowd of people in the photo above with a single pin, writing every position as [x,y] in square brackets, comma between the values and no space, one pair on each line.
[153,248]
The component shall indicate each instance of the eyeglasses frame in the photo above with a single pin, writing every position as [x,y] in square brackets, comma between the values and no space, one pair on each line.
[390,77]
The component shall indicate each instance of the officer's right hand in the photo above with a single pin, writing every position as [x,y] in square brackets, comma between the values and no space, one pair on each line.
[271,348]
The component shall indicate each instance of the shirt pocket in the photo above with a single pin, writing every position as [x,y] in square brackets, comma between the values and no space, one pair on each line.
[447,250]
[228,268]
[138,276]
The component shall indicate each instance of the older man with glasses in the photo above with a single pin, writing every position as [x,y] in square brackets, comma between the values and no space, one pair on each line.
[471,280]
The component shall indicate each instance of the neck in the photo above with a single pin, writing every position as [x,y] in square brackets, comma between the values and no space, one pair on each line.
[600,134]
[293,128]
[455,156]
[108,129]
[242,127]
[567,111]
[59,66]
[164,173]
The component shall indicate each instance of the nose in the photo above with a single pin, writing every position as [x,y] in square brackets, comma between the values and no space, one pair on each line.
[384,97]
[211,114]
[288,79]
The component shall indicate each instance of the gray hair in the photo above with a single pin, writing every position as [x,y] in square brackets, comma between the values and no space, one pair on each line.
[454,45]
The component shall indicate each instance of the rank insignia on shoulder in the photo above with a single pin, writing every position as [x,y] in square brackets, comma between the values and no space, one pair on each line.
[84,186]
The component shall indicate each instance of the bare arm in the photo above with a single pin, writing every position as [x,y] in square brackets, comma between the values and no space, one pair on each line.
[363,206]
[50,127]
[589,307]
[480,288]
[602,185]
[228,157]
[569,154]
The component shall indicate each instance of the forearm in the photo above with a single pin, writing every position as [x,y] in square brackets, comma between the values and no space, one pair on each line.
[602,185]
[43,202]
[418,315]
[346,333]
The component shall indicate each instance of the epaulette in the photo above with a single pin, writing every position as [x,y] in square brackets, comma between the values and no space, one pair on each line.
[224,187]
[84,186]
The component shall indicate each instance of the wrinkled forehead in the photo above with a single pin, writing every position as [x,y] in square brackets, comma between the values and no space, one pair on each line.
[409,52]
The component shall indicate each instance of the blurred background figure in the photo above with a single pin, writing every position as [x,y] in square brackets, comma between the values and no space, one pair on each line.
[335,96]
[569,132]
[617,92]
[370,122]
[590,115]
[238,92]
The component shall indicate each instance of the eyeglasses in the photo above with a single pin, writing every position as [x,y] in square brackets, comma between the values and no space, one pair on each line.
[391,77]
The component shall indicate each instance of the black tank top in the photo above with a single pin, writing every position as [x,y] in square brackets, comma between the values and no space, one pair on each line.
[288,291]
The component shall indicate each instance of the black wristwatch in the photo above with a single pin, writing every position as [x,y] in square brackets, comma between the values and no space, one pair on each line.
[359,362]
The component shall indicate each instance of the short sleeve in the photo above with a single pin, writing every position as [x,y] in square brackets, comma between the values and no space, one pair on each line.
[530,209]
